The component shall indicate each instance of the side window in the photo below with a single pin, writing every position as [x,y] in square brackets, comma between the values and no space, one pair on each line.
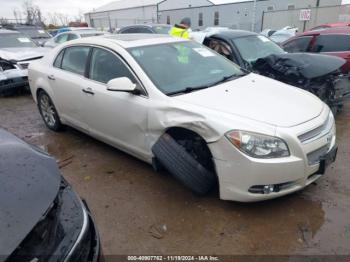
[72,37]
[61,38]
[58,60]
[144,30]
[131,30]
[75,59]
[300,44]
[106,66]
[332,43]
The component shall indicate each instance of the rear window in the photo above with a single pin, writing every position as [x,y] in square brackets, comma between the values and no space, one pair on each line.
[332,43]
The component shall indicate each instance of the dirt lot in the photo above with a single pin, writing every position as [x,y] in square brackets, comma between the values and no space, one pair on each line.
[139,211]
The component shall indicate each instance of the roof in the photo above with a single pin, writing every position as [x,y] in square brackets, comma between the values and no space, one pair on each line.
[229,34]
[330,31]
[220,2]
[129,40]
[126,4]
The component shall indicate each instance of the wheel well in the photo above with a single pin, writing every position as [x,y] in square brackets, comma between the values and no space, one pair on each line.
[194,144]
[38,91]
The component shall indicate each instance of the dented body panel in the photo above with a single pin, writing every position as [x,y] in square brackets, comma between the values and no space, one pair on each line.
[134,123]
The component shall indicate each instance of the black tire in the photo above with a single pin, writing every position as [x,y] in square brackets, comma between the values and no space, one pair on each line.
[48,112]
[183,166]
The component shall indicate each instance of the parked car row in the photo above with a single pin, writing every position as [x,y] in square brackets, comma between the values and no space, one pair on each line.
[23,44]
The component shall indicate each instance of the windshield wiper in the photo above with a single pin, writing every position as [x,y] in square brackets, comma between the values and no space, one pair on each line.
[227,78]
[192,89]
[187,90]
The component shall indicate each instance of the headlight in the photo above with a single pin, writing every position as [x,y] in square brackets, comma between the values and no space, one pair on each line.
[257,145]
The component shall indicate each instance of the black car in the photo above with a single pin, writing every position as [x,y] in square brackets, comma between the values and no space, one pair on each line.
[146,29]
[41,217]
[319,74]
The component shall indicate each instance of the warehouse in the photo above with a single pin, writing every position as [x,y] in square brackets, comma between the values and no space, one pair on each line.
[121,13]
[229,13]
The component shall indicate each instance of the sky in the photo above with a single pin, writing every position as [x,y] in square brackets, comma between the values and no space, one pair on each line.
[70,7]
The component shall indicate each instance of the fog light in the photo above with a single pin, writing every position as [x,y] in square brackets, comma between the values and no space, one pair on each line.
[269,189]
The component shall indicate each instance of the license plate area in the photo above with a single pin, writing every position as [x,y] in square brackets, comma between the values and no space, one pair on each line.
[327,159]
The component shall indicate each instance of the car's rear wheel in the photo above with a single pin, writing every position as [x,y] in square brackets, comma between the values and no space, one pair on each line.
[48,112]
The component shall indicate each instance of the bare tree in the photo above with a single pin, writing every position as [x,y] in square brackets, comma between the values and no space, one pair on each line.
[32,12]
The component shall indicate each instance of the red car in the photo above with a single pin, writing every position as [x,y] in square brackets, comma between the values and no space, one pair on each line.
[332,25]
[335,42]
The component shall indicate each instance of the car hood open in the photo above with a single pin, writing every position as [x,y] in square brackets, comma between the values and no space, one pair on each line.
[303,64]
[259,98]
[29,183]
[23,54]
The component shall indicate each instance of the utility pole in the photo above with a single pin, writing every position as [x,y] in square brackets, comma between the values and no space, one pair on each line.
[254,16]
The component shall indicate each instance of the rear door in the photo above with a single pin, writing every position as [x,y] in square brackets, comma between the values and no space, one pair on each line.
[336,45]
[68,83]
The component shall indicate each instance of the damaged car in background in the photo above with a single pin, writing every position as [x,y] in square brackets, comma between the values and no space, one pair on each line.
[190,111]
[16,52]
[319,74]
[42,218]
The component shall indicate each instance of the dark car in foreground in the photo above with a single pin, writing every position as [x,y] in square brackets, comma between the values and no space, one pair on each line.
[42,218]
[334,42]
[146,29]
[318,74]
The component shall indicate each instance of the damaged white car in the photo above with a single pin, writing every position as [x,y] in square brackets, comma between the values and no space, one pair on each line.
[16,52]
[178,105]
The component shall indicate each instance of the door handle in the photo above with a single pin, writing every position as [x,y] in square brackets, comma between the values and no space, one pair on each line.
[88,91]
[51,77]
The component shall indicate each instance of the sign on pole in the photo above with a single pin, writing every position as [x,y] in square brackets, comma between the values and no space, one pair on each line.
[305,15]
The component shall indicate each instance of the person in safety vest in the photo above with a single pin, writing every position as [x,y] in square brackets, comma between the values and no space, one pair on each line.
[182,29]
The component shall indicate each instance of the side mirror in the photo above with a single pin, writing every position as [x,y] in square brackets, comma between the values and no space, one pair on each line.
[122,84]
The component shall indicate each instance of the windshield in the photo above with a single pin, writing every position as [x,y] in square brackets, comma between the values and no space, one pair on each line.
[174,67]
[162,29]
[15,40]
[254,47]
[34,33]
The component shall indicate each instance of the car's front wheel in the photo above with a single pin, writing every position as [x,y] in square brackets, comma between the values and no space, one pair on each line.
[48,112]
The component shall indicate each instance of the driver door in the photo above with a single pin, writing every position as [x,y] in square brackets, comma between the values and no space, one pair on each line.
[118,118]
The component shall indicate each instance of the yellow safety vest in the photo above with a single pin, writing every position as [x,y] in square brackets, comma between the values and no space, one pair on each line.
[179,32]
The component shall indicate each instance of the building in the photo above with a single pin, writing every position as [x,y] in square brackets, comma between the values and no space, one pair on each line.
[121,13]
[236,14]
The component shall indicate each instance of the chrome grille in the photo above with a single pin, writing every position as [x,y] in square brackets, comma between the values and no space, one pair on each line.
[319,131]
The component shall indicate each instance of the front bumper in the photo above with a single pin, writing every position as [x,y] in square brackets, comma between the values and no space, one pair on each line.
[241,177]
[87,245]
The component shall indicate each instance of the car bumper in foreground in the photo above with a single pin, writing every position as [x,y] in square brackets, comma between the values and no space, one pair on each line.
[246,179]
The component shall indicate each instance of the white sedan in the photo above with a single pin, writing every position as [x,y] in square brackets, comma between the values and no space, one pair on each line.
[182,107]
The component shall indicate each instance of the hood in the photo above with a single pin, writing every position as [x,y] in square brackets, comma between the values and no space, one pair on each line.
[23,53]
[299,64]
[29,183]
[259,98]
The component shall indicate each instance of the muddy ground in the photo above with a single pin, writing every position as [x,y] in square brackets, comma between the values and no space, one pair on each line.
[139,211]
